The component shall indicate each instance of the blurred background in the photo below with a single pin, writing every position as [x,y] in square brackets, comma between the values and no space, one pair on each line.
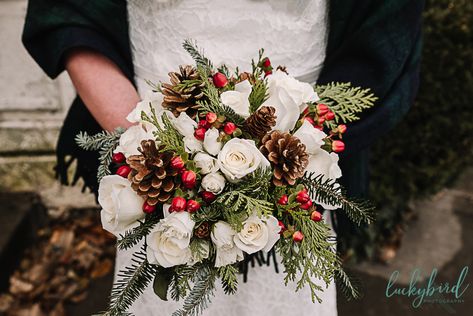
[56,260]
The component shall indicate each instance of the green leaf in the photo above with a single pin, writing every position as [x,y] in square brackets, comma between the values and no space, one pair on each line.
[161,282]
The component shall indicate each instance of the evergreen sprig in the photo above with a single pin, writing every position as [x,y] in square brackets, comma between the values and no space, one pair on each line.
[133,236]
[105,142]
[331,193]
[349,286]
[258,95]
[345,100]
[198,55]
[228,276]
[179,285]
[131,283]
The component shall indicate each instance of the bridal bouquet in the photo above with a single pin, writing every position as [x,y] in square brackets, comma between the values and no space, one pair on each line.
[221,166]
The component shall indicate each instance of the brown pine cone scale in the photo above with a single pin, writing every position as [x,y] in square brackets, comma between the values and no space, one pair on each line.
[261,122]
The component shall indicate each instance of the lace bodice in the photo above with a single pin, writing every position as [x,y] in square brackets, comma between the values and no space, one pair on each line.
[293,33]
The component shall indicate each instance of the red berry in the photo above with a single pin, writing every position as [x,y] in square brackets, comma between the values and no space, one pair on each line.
[322,109]
[123,171]
[306,205]
[316,216]
[267,73]
[178,204]
[283,227]
[177,163]
[342,128]
[188,178]
[283,200]
[329,116]
[118,158]
[192,206]
[204,124]
[306,111]
[338,146]
[302,196]
[220,80]
[266,62]
[319,127]
[211,117]
[229,128]
[147,208]
[297,236]
[320,120]
[309,119]
[208,196]
[199,133]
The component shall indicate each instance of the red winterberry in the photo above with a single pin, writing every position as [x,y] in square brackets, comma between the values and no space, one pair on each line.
[266,62]
[307,205]
[178,204]
[199,133]
[309,119]
[211,117]
[302,196]
[177,163]
[267,73]
[338,146]
[229,128]
[188,178]
[208,196]
[282,226]
[123,171]
[148,208]
[283,199]
[322,109]
[192,206]
[297,236]
[342,128]
[204,124]
[320,120]
[316,216]
[220,80]
[329,116]
[118,158]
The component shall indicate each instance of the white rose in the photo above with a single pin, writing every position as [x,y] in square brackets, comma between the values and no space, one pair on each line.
[131,139]
[240,157]
[311,137]
[226,251]
[192,145]
[238,99]
[324,163]
[168,242]
[288,96]
[153,99]
[213,182]
[121,206]
[211,143]
[184,124]
[257,234]
[205,163]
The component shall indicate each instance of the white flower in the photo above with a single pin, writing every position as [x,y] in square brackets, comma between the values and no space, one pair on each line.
[153,99]
[238,99]
[168,242]
[205,163]
[213,182]
[192,145]
[222,237]
[131,139]
[211,143]
[289,97]
[240,157]
[324,163]
[257,234]
[184,124]
[121,206]
[311,137]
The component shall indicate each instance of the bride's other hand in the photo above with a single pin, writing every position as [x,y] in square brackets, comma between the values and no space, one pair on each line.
[103,87]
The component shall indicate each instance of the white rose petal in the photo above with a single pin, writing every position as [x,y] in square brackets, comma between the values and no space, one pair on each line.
[121,206]
[238,99]
[205,163]
[240,157]
[311,137]
[152,99]
[192,145]
[254,235]
[131,139]
[226,251]
[274,229]
[211,143]
[168,242]
[213,182]
[184,124]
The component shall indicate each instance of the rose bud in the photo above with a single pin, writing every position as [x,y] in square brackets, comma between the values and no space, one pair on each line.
[123,171]
[283,227]
[177,163]
[283,200]
[322,109]
[211,117]
[147,208]
[208,196]
[204,124]
[302,196]
[309,119]
[338,146]
[342,128]
[297,236]
[178,204]
[199,133]
[118,158]
[329,116]
[229,128]
[220,80]
[306,205]
[188,178]
[192,206]
[316,216]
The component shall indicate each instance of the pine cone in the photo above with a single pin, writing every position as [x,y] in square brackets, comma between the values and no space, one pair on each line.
[183,99]
[152,176]
[287,155]
[203,230]
[260,123]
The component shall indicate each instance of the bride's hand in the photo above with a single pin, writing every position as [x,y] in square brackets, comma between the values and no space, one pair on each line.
[105,90]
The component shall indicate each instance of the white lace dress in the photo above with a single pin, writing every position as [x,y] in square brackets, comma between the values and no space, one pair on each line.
[294,34]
